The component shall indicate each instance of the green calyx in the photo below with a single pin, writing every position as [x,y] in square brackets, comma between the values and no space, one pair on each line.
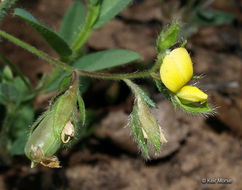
[54,128]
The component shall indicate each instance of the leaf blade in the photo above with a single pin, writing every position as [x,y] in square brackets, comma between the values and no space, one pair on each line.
[105,59]
[72,21]
[109,9]
[51,37]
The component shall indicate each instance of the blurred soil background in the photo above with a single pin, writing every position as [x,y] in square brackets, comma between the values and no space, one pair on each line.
[198,147]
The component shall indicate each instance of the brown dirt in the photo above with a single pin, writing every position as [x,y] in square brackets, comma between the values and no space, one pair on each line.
[198,147]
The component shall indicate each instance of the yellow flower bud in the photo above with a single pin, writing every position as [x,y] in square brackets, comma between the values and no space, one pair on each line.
[191,94]
[176,69]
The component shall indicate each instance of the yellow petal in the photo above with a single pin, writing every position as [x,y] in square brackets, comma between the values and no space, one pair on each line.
[176,69]
[190,94]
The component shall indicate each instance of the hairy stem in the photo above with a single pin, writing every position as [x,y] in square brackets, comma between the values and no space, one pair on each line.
[35,51]
[68,68]
[92,15]
[158,62]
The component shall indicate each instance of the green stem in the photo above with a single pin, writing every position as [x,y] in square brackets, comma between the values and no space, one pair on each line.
[155,76]
[14,68]
[158,62]
[68,68]
[132,86]
[35,51]
[80,39]
[115,76]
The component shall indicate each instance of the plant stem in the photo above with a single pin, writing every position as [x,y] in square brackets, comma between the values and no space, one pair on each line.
[80,39]
[115,76]
[35,51]
[68,68]
[132,86]
[158,62]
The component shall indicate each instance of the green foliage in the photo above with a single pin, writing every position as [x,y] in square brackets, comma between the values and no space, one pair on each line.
[17,147]
[136,129]
[14,90]
[8,93]
[96,62]
[109,9]
[146,98]
[161,87]
[105,59]
[19,129]
[213,17]
[51,37]
[82,109]
[7,74]
[65,82]
[93,1]
[5,5]
[60,122]
[72,22]
[191,108]
[167,38]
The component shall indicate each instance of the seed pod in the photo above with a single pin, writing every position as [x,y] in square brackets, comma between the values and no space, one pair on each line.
[150,126]
[143,123]
[53,129]
[42,143]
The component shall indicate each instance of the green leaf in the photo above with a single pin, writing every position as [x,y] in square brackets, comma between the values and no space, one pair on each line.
[136,129]
[51,37]
[167,38]
[146,98]
[16,70]
[213,17]
[161,87]
[7,74]
[15,92]
[72,22]
[22,121]
[56,81]
[8,93]
[5,5]
[85,83]
[17,147]
[82,109]
[18,131]
[105,59]
[196,109]
[81,37]
[65,82]
[93,1]
[23,92]
[109,9]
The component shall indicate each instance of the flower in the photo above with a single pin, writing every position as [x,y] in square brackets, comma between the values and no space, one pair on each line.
[191,94]
[176,69]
